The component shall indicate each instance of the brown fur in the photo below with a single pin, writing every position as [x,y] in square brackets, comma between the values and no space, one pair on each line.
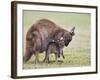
[40,34]
[54,47]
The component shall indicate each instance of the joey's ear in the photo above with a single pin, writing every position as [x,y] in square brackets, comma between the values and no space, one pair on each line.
[72,31]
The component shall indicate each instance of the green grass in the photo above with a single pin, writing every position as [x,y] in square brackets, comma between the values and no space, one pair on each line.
[78,52]
[73,59]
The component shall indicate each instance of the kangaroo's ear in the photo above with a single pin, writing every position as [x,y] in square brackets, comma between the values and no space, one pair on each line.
[72,31]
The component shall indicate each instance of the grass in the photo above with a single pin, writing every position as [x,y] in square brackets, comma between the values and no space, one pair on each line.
[78,52]
[72,59]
